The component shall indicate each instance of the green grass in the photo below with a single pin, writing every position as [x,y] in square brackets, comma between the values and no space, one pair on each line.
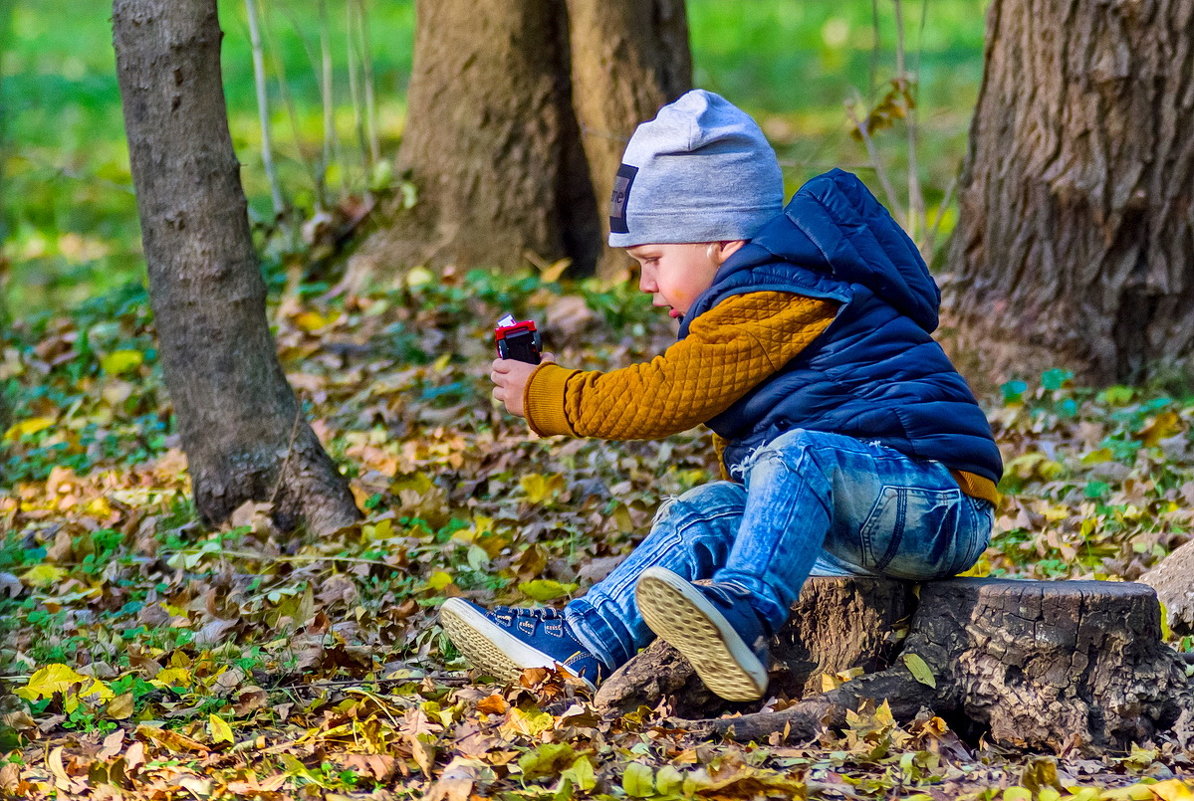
[70,214]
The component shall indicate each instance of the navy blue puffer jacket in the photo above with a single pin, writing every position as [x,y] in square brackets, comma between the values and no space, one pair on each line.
[875,373]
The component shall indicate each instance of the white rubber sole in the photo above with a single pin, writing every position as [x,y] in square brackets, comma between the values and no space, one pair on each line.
[678,613]
[491,648]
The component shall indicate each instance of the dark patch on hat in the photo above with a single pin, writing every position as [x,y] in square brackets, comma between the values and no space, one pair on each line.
[617,200]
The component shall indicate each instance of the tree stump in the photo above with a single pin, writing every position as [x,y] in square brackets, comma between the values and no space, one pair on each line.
[866,617]
[1031,664]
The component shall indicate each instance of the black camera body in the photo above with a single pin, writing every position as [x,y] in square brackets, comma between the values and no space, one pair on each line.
[518,340]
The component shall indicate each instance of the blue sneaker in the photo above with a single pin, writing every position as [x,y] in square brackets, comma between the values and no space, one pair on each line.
[713,626]
[506,640]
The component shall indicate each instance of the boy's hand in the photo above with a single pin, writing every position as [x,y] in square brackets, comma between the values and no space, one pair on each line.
[510,378]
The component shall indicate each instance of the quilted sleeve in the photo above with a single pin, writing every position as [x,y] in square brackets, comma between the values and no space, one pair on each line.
[729,349]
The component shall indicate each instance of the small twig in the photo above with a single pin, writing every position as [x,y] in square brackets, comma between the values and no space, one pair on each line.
[297,558]
[916,205]
[278,65]
[446,680]
[873,152]
[931,234]
[354,88]
[369,80]
[326,96]
[74,175]
[298,418]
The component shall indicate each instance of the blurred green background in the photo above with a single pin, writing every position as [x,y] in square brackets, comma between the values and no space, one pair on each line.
[69,214]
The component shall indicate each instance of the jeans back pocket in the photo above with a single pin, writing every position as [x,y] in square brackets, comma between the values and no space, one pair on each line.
[912,533]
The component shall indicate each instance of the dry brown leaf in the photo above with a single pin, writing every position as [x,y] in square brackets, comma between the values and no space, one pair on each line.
[454,784]
[381,767]
[423,754]
[170,739]
[120,707]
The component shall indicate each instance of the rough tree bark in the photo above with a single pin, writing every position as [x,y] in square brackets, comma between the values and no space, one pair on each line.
[628,58]
[242,427]
[864,617]
[1075,238]
[518,113]
[1173,580]
[1030,664]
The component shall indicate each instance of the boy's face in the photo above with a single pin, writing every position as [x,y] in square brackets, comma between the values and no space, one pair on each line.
[675,274]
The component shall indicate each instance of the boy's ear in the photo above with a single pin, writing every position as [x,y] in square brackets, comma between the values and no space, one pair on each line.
[720,251]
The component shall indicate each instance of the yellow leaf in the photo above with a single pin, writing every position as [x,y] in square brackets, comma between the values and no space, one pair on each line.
[26,427]
[49,680]
[639,780]
[540,488]
[59,678]
[172,677]
[546,589]
[1054,513]
[1133,792]
[980,569]
[98,507]
[121,361]
[220,731]
[1163,426]
[1098,456]
[42,576]
[313,321]
[1173,790]
[530,723]
[554,271]
[438,580]
[419,276]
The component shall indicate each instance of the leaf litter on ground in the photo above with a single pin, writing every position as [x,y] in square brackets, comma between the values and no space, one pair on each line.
[144,655]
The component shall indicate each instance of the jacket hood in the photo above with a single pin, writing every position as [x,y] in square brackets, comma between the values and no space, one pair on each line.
[834,225]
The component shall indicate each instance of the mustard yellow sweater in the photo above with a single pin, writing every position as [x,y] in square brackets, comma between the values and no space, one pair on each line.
[728,351]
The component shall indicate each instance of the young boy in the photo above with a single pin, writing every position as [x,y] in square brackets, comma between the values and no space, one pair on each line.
[852,445]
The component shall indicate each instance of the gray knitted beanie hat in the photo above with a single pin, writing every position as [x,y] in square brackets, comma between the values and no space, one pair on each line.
[701,171]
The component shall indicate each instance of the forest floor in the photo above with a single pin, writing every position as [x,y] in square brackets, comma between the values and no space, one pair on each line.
[145,655]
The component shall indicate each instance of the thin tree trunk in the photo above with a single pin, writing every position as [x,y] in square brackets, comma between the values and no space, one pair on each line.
[518,114]
[242,427]
[1075,240]
[6,7]
[267,145]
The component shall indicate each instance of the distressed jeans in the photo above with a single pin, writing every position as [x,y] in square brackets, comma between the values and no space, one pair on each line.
[811,503]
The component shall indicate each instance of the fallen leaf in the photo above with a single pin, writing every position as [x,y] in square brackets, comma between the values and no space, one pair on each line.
[172,740]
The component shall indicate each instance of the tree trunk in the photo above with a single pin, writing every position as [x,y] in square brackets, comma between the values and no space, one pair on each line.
[518,114]
[242,427]
[1075,238]
[629,57]
[1028,664]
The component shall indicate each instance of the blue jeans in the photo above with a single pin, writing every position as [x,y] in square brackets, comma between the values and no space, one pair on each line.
[812,503]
